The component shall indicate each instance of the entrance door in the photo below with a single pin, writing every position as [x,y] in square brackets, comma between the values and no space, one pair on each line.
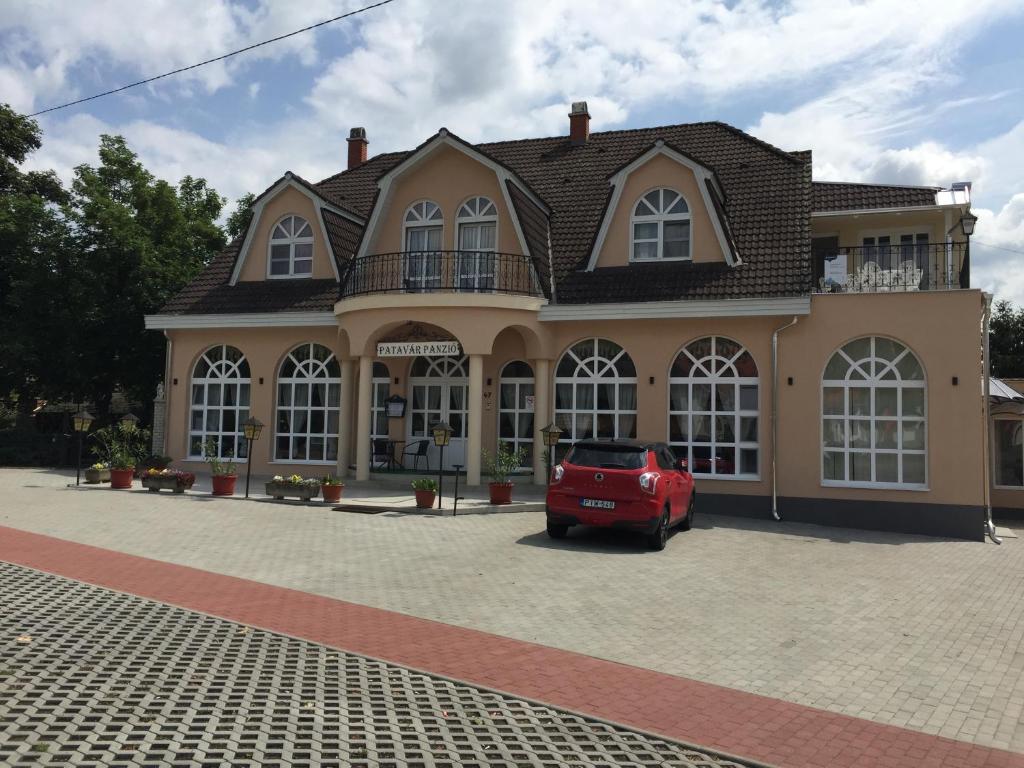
[440,392]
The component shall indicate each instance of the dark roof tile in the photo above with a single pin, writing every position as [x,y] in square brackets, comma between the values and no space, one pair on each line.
[845,196]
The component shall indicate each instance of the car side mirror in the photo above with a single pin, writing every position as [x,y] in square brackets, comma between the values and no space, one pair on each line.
[682,465]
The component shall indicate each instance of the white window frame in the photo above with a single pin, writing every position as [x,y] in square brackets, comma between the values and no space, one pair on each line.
[660,218]
[378,408]
[589,370]
[291,241]
[228,374]
[424,219]
[709,369]
[471,212]
[515,411]
[874,382]
[995,449]
[308,372]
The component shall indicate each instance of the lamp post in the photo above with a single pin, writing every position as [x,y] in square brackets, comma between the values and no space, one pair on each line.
[82,421]
[130,420]
[252,428]
[552,434]
[442,432]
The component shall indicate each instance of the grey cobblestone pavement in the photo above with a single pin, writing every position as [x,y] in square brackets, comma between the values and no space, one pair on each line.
[93,677]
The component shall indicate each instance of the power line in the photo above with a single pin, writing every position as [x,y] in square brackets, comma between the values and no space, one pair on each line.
[218,58]
[999,247]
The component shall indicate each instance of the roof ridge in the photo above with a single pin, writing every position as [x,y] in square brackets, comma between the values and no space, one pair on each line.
[879,184]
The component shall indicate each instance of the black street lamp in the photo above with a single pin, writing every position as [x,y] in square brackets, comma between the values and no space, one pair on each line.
[442,433]
[967,222]
[252,428]
[130,420]
[82,421]
[552,434]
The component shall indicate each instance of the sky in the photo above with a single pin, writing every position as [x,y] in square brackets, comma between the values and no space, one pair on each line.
[886,91]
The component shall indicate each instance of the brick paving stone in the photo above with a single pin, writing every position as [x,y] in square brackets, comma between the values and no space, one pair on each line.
[89,676]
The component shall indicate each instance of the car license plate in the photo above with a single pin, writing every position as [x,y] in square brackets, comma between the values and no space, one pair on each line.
[597,503]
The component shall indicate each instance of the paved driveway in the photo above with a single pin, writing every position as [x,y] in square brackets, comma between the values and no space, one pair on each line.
[910,631]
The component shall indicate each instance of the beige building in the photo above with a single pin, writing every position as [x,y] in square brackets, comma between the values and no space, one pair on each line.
[813,349]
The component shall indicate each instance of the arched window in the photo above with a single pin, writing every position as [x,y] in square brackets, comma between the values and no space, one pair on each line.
[713,408]
[381,390]
[308,397]
[515,408]
[478,227]
[423,227]
[595,391]
[291,248]
[220,402]
[440,392]
[873,415]
[660,226]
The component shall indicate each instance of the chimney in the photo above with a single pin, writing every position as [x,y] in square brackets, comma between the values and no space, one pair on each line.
[579,123]
[357,145]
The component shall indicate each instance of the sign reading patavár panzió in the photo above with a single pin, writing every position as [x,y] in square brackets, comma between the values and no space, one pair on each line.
[418,349]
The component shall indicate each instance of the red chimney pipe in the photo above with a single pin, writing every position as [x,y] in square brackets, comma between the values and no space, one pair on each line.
[579,123]
[357,145]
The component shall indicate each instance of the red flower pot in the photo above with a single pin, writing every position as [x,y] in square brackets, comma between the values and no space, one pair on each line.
[501,493]
[122,478]
[425,499]
[332,493]
[224,485]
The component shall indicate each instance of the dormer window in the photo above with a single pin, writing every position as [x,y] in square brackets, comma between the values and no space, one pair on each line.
[660,227]
[478,225]
[291,248]
[423,228]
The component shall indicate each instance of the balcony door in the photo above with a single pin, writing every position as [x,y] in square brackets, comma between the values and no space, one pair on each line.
[478,227]
[423,235]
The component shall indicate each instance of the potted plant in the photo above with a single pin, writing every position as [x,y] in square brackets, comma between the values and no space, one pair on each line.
[297,486]
[152,462]
[173,480]
[97,473]
[222,470]
[426,491]
[122,445]
[498,467]
[331,488]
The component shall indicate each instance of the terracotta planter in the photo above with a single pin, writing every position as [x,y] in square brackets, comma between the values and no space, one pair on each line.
[425,499]
[224,485]
[501,493]
[97,476]
[332,493]
[122,478]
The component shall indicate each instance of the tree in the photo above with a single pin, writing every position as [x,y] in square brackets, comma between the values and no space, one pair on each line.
[239,219]
[1006,341]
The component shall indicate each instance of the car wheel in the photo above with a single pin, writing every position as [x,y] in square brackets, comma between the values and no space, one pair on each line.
[687,523]
[659,538]
[557,531]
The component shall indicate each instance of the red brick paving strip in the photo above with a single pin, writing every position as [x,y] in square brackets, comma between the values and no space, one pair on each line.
[758,727]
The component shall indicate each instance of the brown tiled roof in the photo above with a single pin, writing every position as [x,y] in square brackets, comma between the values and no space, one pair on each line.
[536,230]
[766,211]
[845,196]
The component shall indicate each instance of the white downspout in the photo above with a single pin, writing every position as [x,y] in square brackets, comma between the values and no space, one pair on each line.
[775,413]
[990,528]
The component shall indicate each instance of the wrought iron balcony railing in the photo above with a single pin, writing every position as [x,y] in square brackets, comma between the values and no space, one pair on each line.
[442,272]
[893,268]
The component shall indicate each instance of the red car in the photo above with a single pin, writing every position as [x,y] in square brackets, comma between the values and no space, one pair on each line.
[628,484]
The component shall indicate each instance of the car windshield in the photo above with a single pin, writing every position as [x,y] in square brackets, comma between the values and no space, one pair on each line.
[607,456]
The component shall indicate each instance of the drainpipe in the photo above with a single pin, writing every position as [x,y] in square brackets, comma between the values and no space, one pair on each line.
[990,528]
[167,391]
[775,413]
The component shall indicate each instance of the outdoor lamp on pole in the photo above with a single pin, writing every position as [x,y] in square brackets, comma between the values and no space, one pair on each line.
[130,420]
[82,421]
[442,432]
[967,223]
[252,428]
[552,434]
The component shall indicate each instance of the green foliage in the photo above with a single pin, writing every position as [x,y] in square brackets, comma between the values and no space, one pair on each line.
[121,445]
[331,480]
[238,219]
[500,465]
[1006,341]
[218,466]
[81,267]
[424,484]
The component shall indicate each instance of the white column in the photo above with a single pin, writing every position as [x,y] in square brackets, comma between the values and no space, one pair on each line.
[475,420]
[345,412]
[541,417]
[363,406]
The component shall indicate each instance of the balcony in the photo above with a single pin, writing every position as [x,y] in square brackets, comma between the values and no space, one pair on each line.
[892,268]
[442,272]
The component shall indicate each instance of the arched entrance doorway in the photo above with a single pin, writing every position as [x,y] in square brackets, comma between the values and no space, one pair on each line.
[439,389]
